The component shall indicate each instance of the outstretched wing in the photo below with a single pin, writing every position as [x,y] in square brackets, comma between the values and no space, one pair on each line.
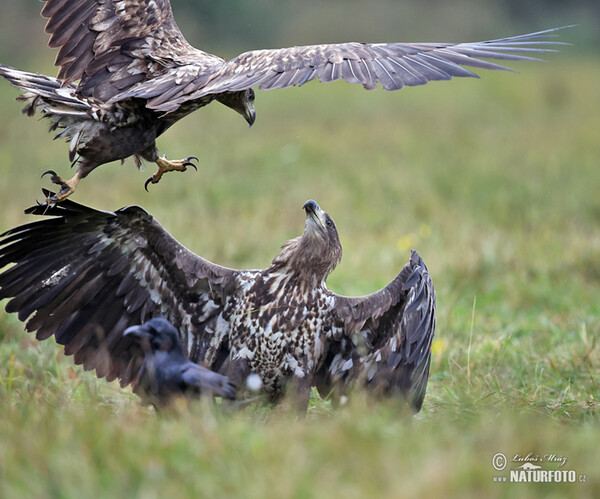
[87,275]
[110,45]
[394,65]
[386,338]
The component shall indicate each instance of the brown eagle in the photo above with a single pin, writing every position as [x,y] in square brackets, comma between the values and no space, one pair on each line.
[85,276]
[127,74]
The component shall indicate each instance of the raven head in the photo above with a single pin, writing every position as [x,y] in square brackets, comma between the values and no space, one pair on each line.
[155,335]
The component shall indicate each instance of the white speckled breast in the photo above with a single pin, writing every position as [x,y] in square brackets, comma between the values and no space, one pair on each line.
[278,328]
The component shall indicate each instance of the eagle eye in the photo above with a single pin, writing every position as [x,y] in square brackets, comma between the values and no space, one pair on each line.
[328,222]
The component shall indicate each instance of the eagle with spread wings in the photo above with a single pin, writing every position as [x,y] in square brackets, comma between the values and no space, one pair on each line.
[85,276]
[127,74]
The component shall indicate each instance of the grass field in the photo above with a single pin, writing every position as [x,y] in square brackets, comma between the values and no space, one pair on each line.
[494,182]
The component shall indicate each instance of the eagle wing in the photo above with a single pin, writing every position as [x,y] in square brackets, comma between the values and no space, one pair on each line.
[393,65]
[87,275]
[386,337]
[122,49]
[111,45]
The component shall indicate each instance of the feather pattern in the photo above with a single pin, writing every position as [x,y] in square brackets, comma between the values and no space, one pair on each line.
[387,347]
[393,65]
[114,39]
[96,273]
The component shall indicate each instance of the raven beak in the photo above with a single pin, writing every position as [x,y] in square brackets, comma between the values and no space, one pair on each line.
[314,211]
[137,332]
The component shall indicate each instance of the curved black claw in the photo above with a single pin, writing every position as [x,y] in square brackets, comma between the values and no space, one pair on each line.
[189,158]
[188,163]
[55,179]
[51,199]
[146,184]
[49,172]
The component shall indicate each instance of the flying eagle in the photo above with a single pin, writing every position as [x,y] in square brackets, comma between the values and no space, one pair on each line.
[127,74]
[85,276]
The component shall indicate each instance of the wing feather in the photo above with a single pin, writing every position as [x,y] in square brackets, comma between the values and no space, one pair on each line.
[386,339]
[123,49]
[98,40]
[393,65]
[84,276]
[198,377]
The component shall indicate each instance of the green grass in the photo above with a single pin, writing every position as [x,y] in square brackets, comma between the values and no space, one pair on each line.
[494,182]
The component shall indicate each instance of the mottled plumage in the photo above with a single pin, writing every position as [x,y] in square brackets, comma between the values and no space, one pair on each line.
[166,373]
[85,276]
[127,74]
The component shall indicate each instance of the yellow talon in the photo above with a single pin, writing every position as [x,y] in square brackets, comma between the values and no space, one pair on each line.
[67,187]
[164,166]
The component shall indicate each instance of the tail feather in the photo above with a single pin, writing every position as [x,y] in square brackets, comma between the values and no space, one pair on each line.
[43,86]
[72,115]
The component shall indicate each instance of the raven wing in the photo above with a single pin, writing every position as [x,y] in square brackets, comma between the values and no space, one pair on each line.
[87,275]
[385,343]
[393,65]
[202,379]
[110,45]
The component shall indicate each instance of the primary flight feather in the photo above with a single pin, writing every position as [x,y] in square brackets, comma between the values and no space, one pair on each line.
[127,74]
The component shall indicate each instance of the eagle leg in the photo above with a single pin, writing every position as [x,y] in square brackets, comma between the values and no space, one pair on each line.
[296,395]
[67,187]
[164,166]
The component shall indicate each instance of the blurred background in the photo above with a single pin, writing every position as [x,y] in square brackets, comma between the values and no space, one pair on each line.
[494,182]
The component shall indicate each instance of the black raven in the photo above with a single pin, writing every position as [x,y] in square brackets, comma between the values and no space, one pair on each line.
[166,372]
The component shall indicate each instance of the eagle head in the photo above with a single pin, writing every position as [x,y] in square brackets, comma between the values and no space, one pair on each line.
[314,254]
[242,102]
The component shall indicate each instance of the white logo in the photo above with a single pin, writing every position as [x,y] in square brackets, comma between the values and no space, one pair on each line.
[527,471]
[499,461]
[528,466]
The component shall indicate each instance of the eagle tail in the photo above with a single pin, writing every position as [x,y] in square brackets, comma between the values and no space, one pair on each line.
[46,87]
[61,105]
